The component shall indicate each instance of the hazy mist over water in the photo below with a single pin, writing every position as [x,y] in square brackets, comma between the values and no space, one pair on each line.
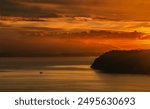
[64,74]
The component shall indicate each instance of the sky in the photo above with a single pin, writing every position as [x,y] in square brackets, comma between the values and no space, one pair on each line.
[136,10]
[26,25]
[117,15]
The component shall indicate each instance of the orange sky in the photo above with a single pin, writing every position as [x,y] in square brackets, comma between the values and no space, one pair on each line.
[79,23]
[20,19]
[116,15]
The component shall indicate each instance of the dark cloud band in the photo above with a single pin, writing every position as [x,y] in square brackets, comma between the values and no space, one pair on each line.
[137,10]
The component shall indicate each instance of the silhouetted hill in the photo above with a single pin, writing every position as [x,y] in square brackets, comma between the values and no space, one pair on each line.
[117,61]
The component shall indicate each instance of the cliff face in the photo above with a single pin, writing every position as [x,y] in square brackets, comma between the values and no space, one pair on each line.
[117,61]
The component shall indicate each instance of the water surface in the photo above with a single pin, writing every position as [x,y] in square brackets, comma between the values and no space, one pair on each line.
[64,74]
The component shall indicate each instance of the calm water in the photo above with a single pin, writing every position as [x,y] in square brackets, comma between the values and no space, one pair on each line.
[64,74]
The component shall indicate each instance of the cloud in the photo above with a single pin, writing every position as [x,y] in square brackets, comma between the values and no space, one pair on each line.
[14,8]
[137,10]
[4,25]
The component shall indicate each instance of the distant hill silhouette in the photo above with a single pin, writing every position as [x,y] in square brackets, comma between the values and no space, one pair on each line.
[117,61]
